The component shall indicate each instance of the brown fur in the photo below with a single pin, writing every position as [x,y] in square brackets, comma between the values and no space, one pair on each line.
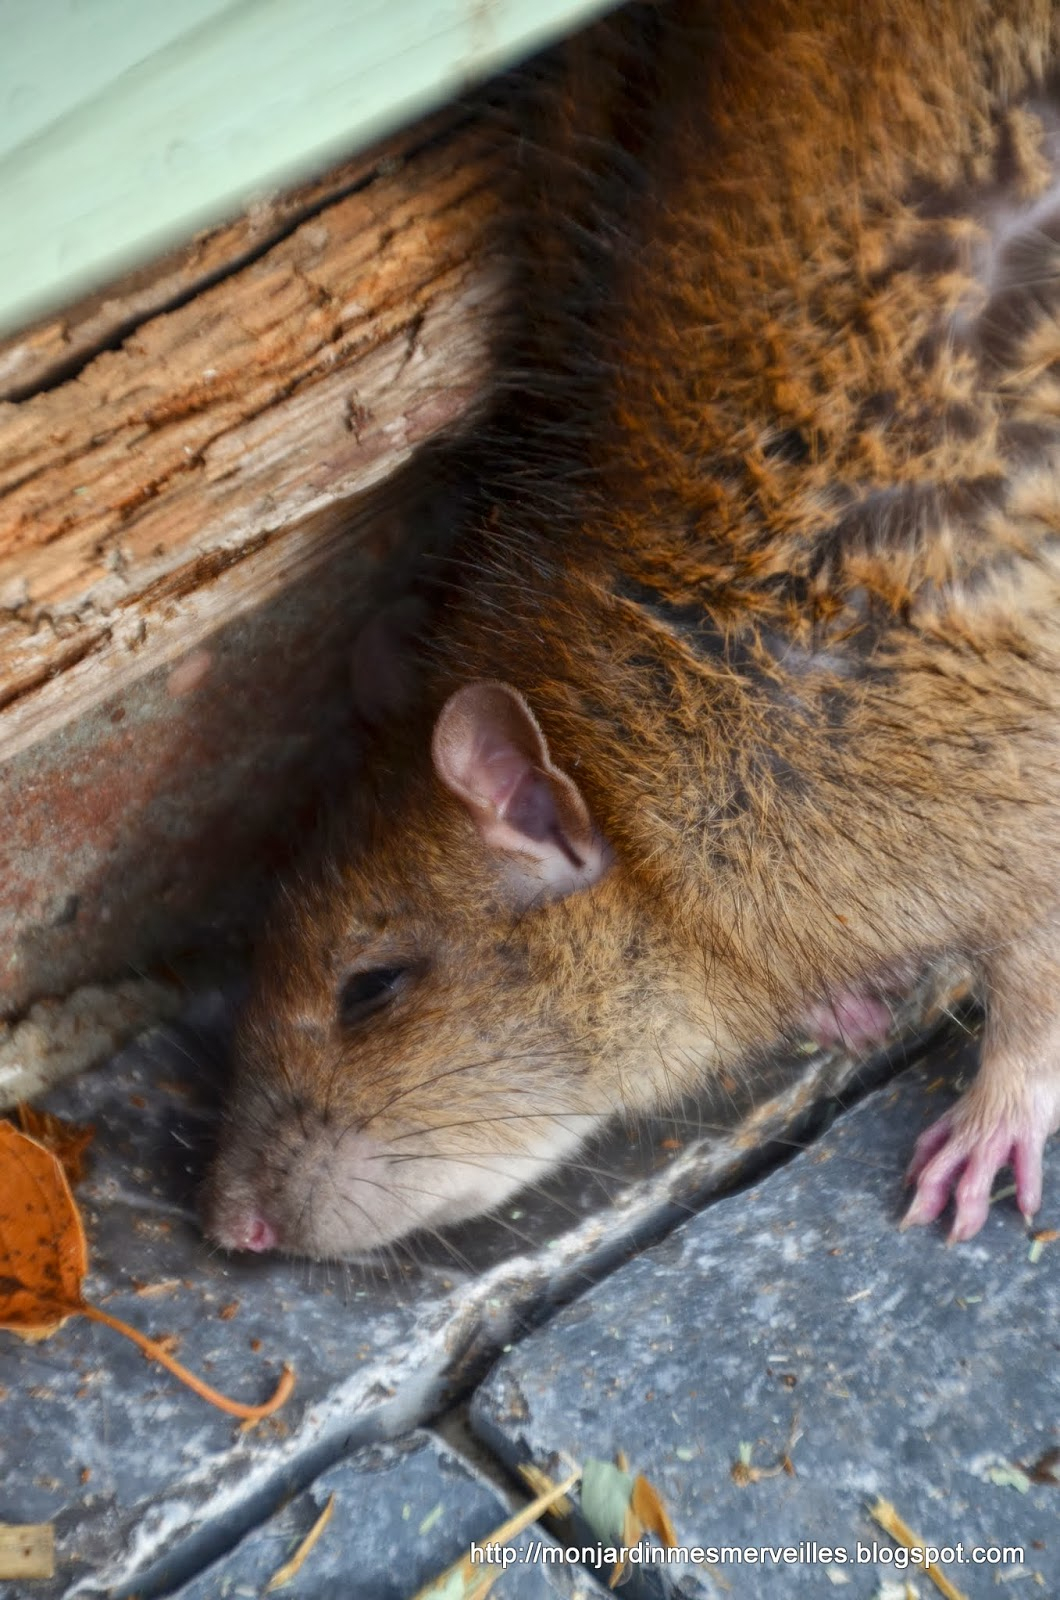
[772,556]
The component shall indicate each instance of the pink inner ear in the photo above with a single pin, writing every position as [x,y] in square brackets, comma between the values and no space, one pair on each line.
[497,777]
[520,795]
[492,769]
[489,751]
[531,810]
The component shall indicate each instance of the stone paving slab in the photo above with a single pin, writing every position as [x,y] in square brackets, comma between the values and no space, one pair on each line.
[402,1514]
[141,1478]
[795,1318]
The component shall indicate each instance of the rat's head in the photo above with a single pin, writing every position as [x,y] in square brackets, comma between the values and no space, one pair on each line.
[419,1042]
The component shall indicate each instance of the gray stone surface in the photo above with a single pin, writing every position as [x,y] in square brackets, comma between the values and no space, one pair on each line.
[144,1482]
[402,1514]
[794,1317]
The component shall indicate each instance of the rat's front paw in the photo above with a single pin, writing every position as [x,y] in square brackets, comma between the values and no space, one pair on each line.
[856,1020]
[962,1153]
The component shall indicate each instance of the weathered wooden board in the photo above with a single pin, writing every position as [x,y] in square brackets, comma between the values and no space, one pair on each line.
[52,350]
[189,525]
[309,375]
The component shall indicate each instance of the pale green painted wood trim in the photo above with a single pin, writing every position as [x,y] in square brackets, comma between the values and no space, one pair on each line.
[125,125]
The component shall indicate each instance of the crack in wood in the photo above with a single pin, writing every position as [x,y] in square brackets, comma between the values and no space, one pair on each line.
[57,350]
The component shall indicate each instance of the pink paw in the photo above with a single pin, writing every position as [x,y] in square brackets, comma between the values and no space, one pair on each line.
[856,1021]
[959,1156]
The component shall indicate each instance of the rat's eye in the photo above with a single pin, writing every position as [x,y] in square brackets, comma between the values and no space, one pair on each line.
[368,991]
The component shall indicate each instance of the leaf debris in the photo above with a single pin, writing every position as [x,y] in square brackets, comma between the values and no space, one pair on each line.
[44,1259]
[540,1483]
[293,1567]
[886,1517]
[430,1519]
[1046,1469]
[620,1508]
[64,1139]
[467,1581]
[744,1474]
[1007,1476]
[1039,1241]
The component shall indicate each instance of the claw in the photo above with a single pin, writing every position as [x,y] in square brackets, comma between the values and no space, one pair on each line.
[1027,1167]
[933,1182]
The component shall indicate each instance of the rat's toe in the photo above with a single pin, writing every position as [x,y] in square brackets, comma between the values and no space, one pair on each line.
[1027,1165]
[971,1196]
[933,1188]
[927,1147]
[938,1157]
[963,1152]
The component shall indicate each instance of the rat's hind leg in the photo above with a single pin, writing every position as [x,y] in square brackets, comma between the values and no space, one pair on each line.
[1009,1112]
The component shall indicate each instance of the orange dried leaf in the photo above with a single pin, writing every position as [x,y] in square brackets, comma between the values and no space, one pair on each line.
[44,1258]
[43,1255]
[651,1514]
[620,1508]
[64,1139]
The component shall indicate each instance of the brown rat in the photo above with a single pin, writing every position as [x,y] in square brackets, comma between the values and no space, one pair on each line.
[749,706]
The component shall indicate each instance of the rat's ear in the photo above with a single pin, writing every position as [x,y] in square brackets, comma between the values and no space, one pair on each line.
[489,750]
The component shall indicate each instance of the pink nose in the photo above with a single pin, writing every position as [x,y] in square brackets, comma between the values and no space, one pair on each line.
[252,1232]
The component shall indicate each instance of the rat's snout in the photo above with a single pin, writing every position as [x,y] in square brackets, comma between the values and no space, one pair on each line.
[303,1189]
[246,1228]
[240,1210]
[239,1215]
[304,1185]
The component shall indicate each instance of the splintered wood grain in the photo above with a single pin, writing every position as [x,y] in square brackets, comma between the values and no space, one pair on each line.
[52,349]
[301,380]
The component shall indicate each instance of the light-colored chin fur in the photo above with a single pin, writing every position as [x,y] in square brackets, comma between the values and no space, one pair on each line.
[348,1198]
[352,1217]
